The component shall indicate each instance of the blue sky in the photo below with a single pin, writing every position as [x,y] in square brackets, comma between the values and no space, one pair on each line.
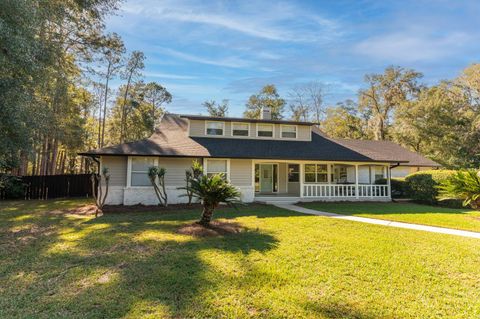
[203,50]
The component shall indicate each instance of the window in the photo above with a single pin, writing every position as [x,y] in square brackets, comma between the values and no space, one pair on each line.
[379,173]
[215,128]
[289,131]
[293,173]
[240,129]
[139,170]
[316,173]
[265,130]
[217,166]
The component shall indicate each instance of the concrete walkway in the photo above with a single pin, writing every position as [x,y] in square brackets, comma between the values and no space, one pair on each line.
[431,229]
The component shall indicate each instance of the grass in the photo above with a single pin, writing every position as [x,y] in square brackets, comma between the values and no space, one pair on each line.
[286,265]
[465,219]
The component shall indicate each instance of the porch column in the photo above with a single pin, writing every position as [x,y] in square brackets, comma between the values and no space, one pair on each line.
[389,184]
[356,181]
[301,180]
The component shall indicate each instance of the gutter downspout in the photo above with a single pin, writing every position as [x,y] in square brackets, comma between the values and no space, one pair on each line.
[395,165]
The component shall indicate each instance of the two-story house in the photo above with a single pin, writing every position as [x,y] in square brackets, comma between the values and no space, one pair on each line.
[267,160]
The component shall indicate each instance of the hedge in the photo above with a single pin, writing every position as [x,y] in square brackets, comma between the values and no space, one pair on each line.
[398,184]
[11,187]
[422,186]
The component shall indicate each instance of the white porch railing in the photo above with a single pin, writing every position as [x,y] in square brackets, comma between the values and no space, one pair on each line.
[344,190]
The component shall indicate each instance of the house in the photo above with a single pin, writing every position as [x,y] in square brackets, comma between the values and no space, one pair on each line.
[265,159]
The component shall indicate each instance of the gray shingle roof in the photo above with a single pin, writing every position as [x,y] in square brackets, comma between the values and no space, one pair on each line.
[171,139]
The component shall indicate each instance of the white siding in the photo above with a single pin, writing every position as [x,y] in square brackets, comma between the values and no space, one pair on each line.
[117,167]
[241,172]
[175,167]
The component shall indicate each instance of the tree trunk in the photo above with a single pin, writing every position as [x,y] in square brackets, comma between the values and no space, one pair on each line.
[53,164]
[62,163]
[123,122]
[105,99]
[207,214]
[43,170]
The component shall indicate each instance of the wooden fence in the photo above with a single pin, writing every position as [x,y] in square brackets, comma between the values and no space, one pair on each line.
[55,186]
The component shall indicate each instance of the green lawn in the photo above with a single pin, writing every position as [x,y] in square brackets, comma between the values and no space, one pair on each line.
[465,219]
[286,265]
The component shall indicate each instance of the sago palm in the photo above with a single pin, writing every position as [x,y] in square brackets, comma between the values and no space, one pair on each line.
[464,185]
[212,190]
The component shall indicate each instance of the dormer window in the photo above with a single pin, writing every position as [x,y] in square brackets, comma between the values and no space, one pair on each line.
[215,128]
[289,131]
[265,130]
[240,129]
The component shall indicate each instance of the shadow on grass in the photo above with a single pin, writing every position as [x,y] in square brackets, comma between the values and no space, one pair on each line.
[119,264]
[332,310]
[167,272]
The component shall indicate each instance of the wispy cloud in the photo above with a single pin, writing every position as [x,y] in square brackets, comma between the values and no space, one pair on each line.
[277,21]
[412,46]
[170,76]
[231,61]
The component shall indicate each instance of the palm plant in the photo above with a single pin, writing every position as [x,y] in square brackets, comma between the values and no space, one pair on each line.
[193,172]
[212,190]
[158,173]
[464,185]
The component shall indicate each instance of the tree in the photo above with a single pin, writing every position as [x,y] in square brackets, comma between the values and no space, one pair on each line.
[212,190]
[385,93]
[155,174]
[344,121]
[268,97]
[111,57]
[143,107]
[155,95]
[441,125]
[307,102]
[43,46]
[464,185]
[131,72]
[216,109]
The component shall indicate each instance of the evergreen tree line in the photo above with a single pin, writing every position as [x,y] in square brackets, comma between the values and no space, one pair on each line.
[57,65]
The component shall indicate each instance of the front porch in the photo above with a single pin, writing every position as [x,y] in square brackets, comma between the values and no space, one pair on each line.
[287,181]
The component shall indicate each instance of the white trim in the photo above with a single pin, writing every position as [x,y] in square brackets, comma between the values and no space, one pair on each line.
[205,166]
[356,181]
[129,170]
[266,137]
[286,177]
[206,128]
[239,136]
[288,138]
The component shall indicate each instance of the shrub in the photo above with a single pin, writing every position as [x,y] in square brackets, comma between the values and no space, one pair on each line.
[422,186]
[11,186]
[399,187]
[463,185]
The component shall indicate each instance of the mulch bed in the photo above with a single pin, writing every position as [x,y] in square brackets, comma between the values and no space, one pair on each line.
[216,228]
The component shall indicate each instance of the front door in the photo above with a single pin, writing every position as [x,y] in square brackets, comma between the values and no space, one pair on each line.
[266,178]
